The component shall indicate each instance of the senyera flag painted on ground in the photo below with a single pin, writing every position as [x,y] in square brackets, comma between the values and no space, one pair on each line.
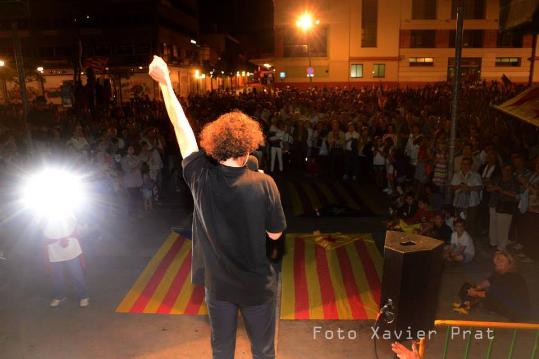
[341,283]
[332,284]
[164,287]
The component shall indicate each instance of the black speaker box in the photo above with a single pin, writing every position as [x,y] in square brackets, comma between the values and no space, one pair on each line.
[411,279]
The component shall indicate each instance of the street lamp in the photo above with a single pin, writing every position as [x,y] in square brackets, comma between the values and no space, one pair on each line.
[2,63]
[305,23]
[40,70]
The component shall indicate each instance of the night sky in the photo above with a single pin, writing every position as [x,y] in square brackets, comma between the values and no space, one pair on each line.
[251,21]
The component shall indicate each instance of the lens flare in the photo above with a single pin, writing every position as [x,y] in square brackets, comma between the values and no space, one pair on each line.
[53,193]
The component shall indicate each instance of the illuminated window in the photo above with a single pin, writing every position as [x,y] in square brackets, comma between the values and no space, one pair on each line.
[421,61]
[356,70]
[508,61]
[379,70]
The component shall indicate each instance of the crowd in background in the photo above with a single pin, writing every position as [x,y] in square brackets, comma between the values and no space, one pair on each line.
[397,137]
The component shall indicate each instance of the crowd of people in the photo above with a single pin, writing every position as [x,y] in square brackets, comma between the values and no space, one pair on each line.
[399,138]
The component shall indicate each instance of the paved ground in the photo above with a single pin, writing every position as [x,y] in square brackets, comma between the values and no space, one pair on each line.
[29,329]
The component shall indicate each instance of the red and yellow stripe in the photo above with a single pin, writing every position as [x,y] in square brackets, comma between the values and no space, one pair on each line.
[164,286]
[340,284]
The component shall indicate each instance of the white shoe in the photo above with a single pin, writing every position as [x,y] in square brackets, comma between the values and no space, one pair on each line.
[84,302]
[56,302]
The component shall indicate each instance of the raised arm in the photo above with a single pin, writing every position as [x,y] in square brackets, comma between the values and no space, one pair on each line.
[158,70]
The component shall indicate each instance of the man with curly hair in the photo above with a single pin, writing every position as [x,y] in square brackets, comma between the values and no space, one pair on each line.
[235,209]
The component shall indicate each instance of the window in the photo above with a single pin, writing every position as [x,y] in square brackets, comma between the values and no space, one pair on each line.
[379,70]
[473,9]
[299,45]
[509,39]
[423,9]
[508,61]
[422,38]
[356,70]
[421,61]
[369,23]
[470,38]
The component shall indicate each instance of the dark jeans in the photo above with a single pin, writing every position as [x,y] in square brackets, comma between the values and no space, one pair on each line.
[74,268]
[259,323]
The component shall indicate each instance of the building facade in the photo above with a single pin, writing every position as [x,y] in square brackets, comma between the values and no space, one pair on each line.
[116,38]
[406,42]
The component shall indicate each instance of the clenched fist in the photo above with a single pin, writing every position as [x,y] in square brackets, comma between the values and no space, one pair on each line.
[158,70]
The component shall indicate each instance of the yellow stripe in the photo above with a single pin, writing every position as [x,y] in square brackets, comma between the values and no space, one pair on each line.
[376,257]
[341,297]
[146,275]
[166,282]
[327,192]
[183,298]
[288,302]
[361,280]
[316,310]
[311,194]
[346,196]
[203,309]
[295,201]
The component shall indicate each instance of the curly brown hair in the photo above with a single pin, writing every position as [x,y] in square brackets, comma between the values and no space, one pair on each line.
[232,135]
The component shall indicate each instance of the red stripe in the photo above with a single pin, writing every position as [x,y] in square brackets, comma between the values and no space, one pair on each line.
[176,286]
[300,281]
[197,297]
[326,288]
[307,205]
[350,285]
[370,270]
[148,291]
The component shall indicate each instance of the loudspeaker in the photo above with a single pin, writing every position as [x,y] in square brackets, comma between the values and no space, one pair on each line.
[411,280]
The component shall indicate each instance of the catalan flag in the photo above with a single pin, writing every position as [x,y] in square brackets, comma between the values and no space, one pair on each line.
[340,283]
[306,197]
[164,287]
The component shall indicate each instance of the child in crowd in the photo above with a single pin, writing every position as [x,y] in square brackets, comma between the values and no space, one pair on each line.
[461,248]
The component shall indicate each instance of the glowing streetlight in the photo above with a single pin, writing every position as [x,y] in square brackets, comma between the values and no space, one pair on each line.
[2,63]
[40,69]
[306,22]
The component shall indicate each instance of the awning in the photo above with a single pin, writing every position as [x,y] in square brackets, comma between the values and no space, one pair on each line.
[524,106]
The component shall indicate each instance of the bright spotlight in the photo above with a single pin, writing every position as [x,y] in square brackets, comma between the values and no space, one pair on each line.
[54,194]
[305,22]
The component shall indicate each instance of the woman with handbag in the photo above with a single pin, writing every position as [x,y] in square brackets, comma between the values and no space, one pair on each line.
[503,205]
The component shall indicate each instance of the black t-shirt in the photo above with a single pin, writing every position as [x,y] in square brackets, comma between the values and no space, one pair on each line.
[234,207]
[508,295]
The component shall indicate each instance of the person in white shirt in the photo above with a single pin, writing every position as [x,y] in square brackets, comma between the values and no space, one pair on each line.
[351,138]
[275,139]
[461,248]
[412,146]
[467,186]
[64,253]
